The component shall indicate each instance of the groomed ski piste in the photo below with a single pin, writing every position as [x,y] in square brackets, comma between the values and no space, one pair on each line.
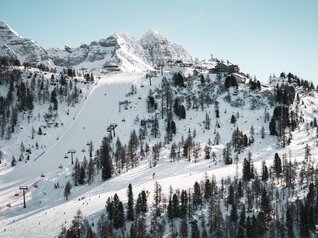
[47,210]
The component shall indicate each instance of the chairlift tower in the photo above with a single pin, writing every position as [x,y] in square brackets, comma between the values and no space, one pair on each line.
[111,128]
[83,69]
[72,151]
[23,188]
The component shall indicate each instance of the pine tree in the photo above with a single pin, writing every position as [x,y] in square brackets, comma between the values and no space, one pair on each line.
[76,172]
[246,170]
[207,150]
[13,161]
[67,190]
[197,196]
[132,231]
[175,206]
[272,127]
[264,171]
[130,204]
[208,189]
[82,175]
[169,210]
[173,151]
[277,164]
[119,215]
[266,205]
[233,214]
[110,208]
[304,228]
[76,229]
[90,171]
[184,204]
[262,132]
[141,203]
[195,232]
[183,230]
[230,198]
[233,119]
[105,160]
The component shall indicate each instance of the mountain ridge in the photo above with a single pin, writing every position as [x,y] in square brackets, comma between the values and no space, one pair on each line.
[118,50]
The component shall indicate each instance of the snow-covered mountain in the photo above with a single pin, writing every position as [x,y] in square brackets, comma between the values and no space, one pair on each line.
[156,47]
[14,46]
[119,51]
[226,119]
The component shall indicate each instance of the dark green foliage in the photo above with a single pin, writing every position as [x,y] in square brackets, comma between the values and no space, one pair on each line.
[179,109]
[208,189]
[67,190]
[184,204]
[110,208]
[77,226]
[115,210]
[230,198]
[247,170]
[197,196]
[304,227]
[141,203]
[255,84]
[175,206]
[233,214]
[54,99]
[13,161]
[132,231]
[178,80]
[266,205]
[119,215]
[195,232]
[272,127]
[130,204]
[230,81]
[277,164]
[233,119]
[76,172]
[184,229]
[264,172]
[105,159]
[90,172]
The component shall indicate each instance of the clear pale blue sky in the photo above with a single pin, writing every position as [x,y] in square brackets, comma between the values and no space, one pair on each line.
[261,36]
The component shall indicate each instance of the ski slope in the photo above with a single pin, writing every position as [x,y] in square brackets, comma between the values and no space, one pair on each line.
[90,122]
[47,209]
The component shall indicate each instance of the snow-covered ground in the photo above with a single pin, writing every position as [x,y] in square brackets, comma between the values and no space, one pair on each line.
[47,209]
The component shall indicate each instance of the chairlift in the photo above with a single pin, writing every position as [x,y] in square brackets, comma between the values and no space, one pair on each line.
[65,156]
[83,150]
[88,143]
[42,175]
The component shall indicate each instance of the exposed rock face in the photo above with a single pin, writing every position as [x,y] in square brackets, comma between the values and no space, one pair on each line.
[120,50]
[157,47]
[13,45]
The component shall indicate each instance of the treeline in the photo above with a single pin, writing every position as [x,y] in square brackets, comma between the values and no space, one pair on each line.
[271,204]
[24,90]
